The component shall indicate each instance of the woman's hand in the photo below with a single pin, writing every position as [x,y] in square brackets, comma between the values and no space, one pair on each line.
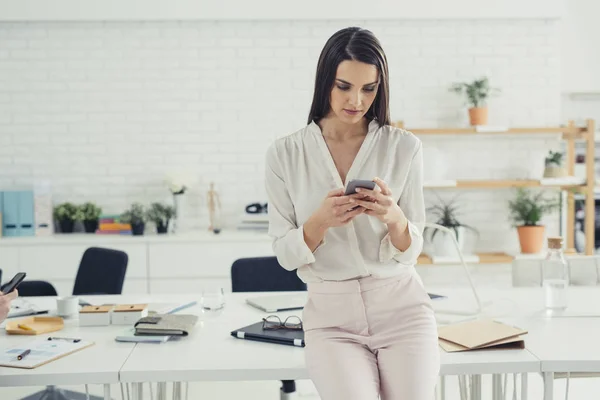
[335,210]
[380,204]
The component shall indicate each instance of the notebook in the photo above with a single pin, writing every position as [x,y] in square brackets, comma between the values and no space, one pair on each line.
[480,334]
[255,332]
[42,352]
[166,324]
[22,308]
[283,302]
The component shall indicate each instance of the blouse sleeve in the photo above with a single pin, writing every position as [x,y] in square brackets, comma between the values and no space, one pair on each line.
[288,239]
[412,204]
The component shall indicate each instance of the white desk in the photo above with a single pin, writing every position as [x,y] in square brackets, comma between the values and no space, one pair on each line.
[98,364]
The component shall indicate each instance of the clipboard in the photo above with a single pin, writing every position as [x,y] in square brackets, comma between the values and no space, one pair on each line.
[42,352]
[485,334]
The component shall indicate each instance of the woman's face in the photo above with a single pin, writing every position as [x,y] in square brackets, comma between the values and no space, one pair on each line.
[354,90]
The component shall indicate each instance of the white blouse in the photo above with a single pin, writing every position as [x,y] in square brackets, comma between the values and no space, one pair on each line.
[300,172]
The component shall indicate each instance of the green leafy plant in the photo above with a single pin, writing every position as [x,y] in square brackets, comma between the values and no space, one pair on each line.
[446,214]
[135,215]
[528,208]
[89,212]
[555,158]
[160,213]
[477,92]
[66,212]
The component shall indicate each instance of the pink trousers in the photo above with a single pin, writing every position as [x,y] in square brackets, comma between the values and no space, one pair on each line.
[371,337]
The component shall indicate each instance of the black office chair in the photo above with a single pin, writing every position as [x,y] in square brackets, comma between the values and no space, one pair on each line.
[101,271]
[36,289]
[265,274]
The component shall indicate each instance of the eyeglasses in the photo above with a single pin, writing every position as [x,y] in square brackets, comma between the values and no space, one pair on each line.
[274,322]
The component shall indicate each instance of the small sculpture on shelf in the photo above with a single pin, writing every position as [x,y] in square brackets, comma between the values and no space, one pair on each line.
[214,209]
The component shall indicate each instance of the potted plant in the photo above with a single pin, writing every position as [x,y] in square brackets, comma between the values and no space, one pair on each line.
[136,217]
[526,212]
[554,167]
[446,214]
[90,213]
[477,94]
[66,214]
[161,214]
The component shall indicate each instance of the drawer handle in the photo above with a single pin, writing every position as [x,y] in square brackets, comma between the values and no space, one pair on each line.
[26,225]
[10,226]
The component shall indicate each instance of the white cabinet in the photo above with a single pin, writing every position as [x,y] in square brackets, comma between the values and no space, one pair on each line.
[157,264]
[201,259]
[9,262]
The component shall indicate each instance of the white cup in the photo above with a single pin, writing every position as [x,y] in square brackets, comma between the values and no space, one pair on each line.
[67,306]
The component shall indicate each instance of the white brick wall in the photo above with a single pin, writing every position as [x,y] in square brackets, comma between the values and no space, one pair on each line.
[104,110]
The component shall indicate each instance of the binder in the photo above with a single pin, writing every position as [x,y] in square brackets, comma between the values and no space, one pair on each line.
[26,220]
[10,212]
[290,337]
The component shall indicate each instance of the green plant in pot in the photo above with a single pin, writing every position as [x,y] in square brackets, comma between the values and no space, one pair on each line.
[66,214]
[477,93]
[90,213]
[554,167]
[136,217]
[526,212]
[161,214]
[446,214]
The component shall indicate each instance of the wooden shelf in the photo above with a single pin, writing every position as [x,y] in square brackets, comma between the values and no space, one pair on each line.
[573,132]
[484,258]
[498,184]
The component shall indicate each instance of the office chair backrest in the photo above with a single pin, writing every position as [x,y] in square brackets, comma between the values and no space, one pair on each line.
[0,276]
[101,271]
[36,289]
[263,274]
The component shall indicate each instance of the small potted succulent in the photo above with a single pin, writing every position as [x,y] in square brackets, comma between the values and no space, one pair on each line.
[90,213]
[526,212]
[66,214]
[136,217]
[477,94]
[554,167]
[446,214]
[161,214]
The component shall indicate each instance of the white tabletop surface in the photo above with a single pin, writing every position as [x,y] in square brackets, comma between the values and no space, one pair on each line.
[568,343]
[99,363]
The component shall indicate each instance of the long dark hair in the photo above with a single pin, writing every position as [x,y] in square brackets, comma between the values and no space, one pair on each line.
[351,44]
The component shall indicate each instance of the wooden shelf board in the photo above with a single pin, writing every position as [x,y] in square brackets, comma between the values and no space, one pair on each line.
[496,184]
[578,132]
[484,258]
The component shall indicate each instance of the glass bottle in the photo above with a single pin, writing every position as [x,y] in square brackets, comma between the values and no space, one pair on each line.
[555,277]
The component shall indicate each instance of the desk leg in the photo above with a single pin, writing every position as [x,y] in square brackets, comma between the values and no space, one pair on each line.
[161,391]
[440,389]
[176,390]
[524,389]
[496,387]
[138,391]
[548,385]
[476,387]
[107,392]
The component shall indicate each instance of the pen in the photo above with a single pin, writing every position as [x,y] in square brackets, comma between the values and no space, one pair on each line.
[23,354]
[25,327]
[65,338]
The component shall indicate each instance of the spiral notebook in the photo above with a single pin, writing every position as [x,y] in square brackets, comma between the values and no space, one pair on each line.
[41,351]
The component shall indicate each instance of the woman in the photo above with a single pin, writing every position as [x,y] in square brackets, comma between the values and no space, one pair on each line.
[369,326]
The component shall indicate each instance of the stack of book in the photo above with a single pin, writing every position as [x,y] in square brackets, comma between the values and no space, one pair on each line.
[254,222]
[111,225]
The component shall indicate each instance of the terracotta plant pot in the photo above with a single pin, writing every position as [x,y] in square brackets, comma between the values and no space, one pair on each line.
[554,171]
[478,115]
[531,238]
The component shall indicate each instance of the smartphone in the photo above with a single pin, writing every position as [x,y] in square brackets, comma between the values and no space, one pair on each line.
[358,183]
[14,282]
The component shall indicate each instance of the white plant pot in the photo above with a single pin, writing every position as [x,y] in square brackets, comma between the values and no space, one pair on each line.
[443,245]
